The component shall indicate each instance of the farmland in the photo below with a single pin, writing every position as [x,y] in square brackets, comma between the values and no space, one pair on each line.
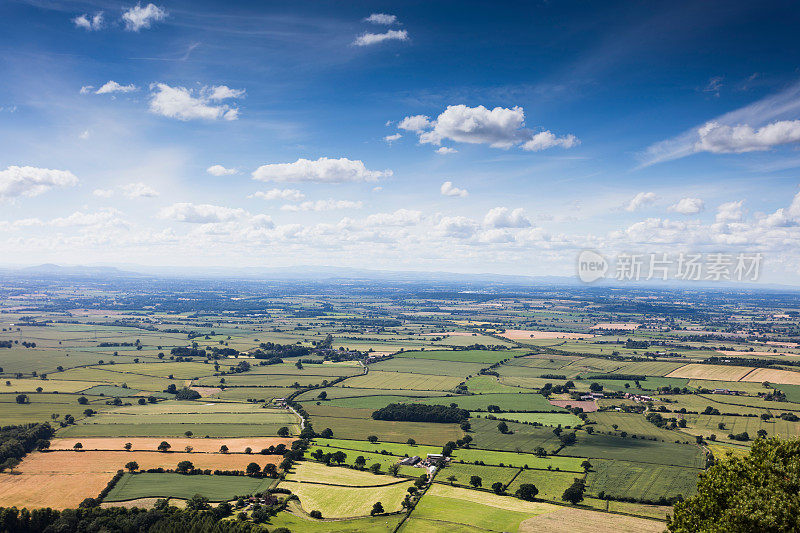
[525,411]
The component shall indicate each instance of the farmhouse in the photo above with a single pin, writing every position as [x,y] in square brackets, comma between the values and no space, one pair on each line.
[409,461]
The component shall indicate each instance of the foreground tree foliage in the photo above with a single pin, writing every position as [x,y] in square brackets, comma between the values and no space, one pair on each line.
[122,520]
[759,492]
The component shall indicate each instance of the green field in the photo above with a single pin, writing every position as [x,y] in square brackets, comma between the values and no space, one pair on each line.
[215,488]
[172,430]
[519,460]
[486,357]
[551,485]
[488,474]
[546,419]
[403,380]
[428,366]
[639,450]
[524,438]
[641,481]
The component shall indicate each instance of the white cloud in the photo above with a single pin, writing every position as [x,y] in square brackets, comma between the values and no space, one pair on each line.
[381,18]
[444,150]
[114,87]
[84,135]
[762,125]
[794,208]
[547,139]
[459,227]
[449,190]
[292,195]
[503,217]
[499,127]
[640,200]
[367,39]
[323,205]
[105,217]
[93,23]
[103,193]
[323,170]
[185,104]
[31,181]
[138,17]
[223,92]
[139,190]
[730,212]
[219,170]
[201,213]
[416,123]
[688,206]
[721,139]
[391,138]
[86,89]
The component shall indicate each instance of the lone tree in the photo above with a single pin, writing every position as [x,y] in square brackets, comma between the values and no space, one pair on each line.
[252,468]
[372,439]
[223,448]
[527,491]
[283,432]
[498,487]
[360,462]
[574,493]
[128,446]
[78,446]
[23,399]
[184,466]
[327,433]
[376,509]
[164,446]
[83,400]
[131,466]
[757,492]
[586,465]
[475,481]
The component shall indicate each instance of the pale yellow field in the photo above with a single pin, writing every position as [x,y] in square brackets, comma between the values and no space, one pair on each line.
[530,334]
[335,475]
[785,377]
[47,385]
[570,519]
[617,325]
[713,372]
[235,445]
[343,502]
[485,498]
[58,491]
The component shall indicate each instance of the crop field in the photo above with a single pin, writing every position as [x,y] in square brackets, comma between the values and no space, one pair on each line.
[475,509]
[58,490]
[551,485]
[650,368]
[490,384]
[485,357]
[336,501]
[783,377]
[518,460]
[546,419]
[309,471]
[639,450]
[506,402]
[488,474]
[345,391]
[394,448]
[642,481]
[632,424]
[169,429]
[297,520]
[711,372]
[215,488]
[428,366]
[199,445]
[385,461]
[108,375]
[403,380]
[569,520]
[48,385]
[523,438]
[390,431]
[708,424]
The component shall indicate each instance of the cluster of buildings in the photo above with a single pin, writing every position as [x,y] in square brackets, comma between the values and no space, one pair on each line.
[638,397]
[429,463]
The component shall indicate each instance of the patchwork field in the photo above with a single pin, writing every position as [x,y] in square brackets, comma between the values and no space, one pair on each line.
[642,481]
[215,488]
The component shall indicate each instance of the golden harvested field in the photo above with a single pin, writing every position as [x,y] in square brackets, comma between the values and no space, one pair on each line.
[63,479]
[784,377]
[342,502]
[714,372]
[58,491]
[235,445]
[485,498]
[530,334]
[336,475]
[70,462]
[47,385]
[629,326]
[570,519]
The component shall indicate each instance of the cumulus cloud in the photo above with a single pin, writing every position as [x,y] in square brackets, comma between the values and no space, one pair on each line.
[113,87]
[367,39]
[323,170]
[89,23]
[139,190]
[138,17]
[448,189]
[688,206]
[381,18]
[103,193]
[219,170]
[104,217]
[730,212]
[216,218]
[292,195]
[503,217]
[323,205]
[547,139]
[640,200]
[32,181]
[201,213]
[499,127]
[444,150]
[721,139]
[458,227]
[185,104]
[391,138]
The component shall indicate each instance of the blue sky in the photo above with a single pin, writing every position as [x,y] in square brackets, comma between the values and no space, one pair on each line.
[255,133]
